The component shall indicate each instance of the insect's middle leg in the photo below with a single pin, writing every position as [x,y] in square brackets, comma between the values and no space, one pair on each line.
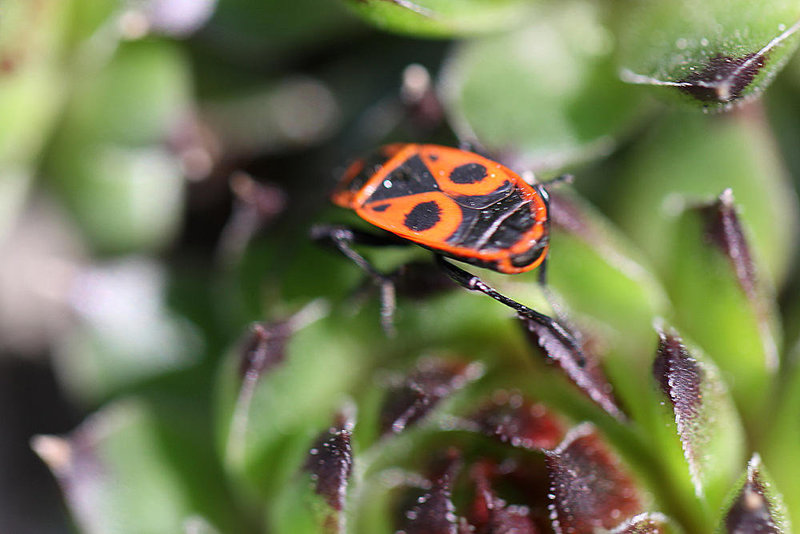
[473,283]
[343,238]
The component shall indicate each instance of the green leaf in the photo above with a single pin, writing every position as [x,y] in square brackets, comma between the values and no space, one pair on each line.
[712,53]
[704,415]
[321,487]
[779,442]
[124,188]
[728,312]
[135,99]
[270,30]
[300,390]
[688,157]
[441,18]
[134,468]
[543,96]
[605,280]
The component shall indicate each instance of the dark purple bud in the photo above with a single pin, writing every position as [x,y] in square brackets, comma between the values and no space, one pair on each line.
[581,367]
[330,462]
[256,204]
[419,97]
[422,390]
[512,419]
[266,199]
[264,348]
[589,488]
[754,508]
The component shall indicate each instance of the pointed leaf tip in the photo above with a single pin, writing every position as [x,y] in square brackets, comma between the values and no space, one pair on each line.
[330,462]
[434,511]
[263,349]
[756,506]
[705,419]
[724,230]
[723,78]
[679,376]
[581,367]
[713,53]
[423,389]
[589,487]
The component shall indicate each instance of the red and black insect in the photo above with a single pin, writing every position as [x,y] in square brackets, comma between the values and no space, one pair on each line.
[456,203]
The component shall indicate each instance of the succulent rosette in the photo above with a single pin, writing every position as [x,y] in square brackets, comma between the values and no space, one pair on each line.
[234,374]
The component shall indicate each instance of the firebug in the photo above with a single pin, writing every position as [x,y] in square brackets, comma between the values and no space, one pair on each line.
[458,204]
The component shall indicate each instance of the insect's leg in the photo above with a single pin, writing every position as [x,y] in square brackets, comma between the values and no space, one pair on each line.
[343,238]
[550,296]
[473,283]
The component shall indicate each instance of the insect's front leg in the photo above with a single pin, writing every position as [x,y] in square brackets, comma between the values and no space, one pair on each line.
[473,283]
[343,238]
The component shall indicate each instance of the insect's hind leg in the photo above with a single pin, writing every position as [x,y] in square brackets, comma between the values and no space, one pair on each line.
[343,238]
[473,283]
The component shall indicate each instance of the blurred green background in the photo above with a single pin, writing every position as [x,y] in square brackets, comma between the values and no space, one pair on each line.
[161,162]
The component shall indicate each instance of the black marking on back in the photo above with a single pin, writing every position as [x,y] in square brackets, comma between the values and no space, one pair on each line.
[469,173]
[372,164]
[380,207]
[433,157]
[477,230]
[409,178]
[423,216]
[480,202]
[507,234]
[531,255]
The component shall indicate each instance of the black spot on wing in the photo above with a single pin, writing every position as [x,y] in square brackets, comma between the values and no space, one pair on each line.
[469,173]
[409,178]
[380,207]
[433,157]
[423,216]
